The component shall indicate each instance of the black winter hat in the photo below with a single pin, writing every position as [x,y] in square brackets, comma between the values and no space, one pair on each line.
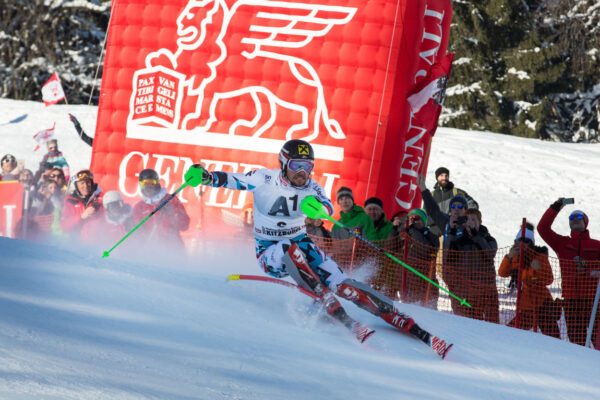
[344,191]
[376,201]
[441,170]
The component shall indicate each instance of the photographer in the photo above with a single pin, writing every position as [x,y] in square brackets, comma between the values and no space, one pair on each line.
[579,255]
[535,276]
[422,251]
[83,203]
[469,252]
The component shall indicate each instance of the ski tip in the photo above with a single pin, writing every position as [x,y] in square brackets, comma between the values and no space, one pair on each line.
[105,254]
[445,353]
[368,335]
[233,277]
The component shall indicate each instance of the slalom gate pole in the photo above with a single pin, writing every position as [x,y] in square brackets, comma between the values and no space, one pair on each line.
[314,209]
[161,205]
[590,329]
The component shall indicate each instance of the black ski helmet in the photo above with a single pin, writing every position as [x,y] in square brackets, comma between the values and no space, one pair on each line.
[148,174]
[295,149]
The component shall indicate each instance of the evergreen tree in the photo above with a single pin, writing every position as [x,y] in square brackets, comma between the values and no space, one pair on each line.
[42,37]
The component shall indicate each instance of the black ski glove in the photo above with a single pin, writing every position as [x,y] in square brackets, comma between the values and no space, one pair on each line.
[558,204]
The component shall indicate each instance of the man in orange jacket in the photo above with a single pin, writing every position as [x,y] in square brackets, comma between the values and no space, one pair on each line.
[536,305]
[579,255]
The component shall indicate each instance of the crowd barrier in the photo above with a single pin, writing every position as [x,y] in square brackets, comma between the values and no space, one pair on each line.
[491,283]
[531,300]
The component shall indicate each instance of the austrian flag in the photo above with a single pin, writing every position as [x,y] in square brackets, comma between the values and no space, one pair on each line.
[52,91]
[427,97]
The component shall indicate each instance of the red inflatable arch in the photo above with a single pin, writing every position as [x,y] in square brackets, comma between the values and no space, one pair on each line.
[225,83]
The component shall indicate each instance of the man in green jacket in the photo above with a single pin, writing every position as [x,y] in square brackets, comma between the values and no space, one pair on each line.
[383,227]
[352,216]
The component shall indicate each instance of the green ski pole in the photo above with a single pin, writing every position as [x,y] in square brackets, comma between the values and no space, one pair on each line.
[314,209]
[161,205]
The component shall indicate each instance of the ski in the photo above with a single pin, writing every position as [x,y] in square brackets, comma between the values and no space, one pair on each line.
[439,346]
[328,300]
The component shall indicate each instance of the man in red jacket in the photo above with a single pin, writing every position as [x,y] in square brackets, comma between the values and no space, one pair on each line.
[82,203]
[165,226]
[579,255]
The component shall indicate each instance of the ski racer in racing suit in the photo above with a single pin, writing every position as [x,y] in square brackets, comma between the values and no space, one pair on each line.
[284,249]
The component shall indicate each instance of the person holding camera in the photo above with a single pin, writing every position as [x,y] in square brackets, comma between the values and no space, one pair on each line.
[536,306]
[579,256]
[469,251]
[82,203]
[423,246]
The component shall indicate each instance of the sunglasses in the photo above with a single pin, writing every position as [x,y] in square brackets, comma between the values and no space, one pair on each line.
[575,216]
[524,240]
[148,182]
[8,159]
[55,175]
[460,206]
[301,165]
[51,148]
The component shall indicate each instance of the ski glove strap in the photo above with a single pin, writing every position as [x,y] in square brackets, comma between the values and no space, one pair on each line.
[198,175]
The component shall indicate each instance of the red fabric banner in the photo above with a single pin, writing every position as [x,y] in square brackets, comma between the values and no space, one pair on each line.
[226,83]
[11,207]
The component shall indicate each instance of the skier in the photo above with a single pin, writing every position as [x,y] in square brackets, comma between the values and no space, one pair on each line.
[284,249]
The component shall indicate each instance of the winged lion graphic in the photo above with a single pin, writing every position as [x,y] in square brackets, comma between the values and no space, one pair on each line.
[260,38]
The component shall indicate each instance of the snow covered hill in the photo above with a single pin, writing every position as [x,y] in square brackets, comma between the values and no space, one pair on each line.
[76,326]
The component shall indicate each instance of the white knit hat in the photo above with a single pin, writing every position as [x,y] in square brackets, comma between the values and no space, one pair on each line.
[111,197]
[528,235]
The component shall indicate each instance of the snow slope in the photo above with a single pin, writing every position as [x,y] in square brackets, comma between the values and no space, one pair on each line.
[76,326]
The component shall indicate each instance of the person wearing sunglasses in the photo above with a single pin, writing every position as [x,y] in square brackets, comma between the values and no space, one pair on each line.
[57,175]
[82,203]
[469,251]
[536,306]
[283,247]
[165,227]
[11,168]
[56,158]
[579,257]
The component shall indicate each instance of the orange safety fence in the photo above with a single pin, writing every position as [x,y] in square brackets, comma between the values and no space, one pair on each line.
[489,280]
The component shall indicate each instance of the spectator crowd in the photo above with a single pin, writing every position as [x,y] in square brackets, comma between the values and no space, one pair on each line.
[445,241]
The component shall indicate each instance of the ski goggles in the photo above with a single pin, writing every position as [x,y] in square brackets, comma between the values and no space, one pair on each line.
[148,182]
[301,165]
[460,206]
[85,174]
[575,216]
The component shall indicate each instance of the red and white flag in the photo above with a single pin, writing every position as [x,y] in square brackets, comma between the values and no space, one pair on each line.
[433,86]
[44,136]
[427,98]
[52,91]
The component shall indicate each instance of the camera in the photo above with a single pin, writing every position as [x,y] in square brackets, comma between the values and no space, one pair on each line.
[461,220]
[569,200]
